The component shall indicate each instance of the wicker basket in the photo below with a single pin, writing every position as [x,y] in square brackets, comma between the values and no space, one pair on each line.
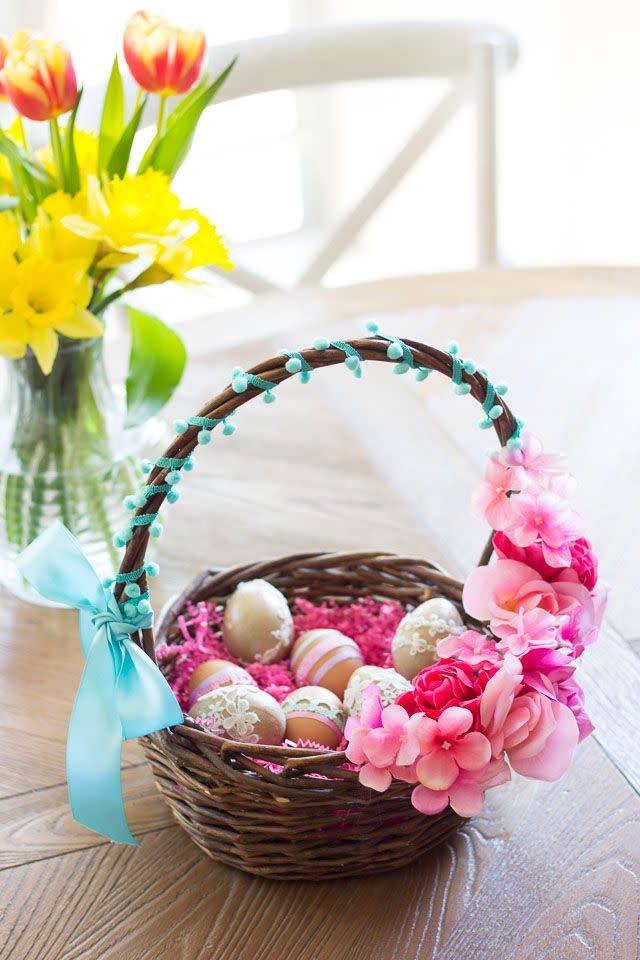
[295,824]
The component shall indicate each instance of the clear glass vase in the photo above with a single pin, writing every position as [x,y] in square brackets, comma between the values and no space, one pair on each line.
[65,454]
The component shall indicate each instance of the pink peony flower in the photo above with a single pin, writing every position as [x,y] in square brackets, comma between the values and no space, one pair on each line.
[448,683]
[539,515]
[466,794]
[540,736]
[532,555]
[382,740]
[551,673]
[522,609]
[491,500]
[529,462]
[470,646]
[497,700]
[584,562]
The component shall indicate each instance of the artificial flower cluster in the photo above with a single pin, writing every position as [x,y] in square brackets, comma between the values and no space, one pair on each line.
[73,211]
[506,699]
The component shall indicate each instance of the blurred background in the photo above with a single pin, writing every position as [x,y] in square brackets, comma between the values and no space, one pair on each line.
[276,169]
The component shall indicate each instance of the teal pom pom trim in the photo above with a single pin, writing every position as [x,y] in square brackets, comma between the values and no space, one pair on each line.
[118,541]
[305,376]
[173,496]
[131,576]
[229,429]
[485,424]
[129,502]
[373,326]
[143,519]
[237,372]
[156,530]
[352,362]
[189,463]
[469,366]
[152,569]
[130,608]
[394,350]
[180,426]
[293,365]
[297,364]
[146,466]
[173,477]
[144,606]
[239,384]
[401,368]
[141,498]
[269,397]
[502,389]
[108,582]
[462,389]
[204,437]
[132,590]
[422,373]
[321,343]
[495,412]
[453,348]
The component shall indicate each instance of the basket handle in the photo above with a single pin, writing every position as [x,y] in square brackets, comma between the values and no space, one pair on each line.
[246,386]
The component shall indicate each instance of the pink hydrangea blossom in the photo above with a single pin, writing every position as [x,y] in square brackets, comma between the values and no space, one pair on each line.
[466,793]
[530,463]
[382,740]
[472,647]
[491,500]
[540,516]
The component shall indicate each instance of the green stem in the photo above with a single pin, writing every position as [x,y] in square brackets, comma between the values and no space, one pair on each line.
[56,146]
[161,112]
[23,134]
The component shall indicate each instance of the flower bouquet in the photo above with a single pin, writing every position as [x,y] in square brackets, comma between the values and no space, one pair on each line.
[81,226]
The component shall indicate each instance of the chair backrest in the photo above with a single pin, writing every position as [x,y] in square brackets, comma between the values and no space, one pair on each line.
[470,55]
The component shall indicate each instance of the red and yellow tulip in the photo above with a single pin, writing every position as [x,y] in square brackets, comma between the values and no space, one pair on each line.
[4,49]
[38,77]
[162,58]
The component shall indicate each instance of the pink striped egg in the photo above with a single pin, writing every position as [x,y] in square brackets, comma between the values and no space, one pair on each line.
[314,713]
[325,658]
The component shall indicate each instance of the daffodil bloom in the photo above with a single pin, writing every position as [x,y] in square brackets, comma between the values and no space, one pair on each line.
[127,215]
[50,238]
[40,299]
[38,77]
[196,244]
[162,58]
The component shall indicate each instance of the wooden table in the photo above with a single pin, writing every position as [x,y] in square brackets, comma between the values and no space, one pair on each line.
[547,871]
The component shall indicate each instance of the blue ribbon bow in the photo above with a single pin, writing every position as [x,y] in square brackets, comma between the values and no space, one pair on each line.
[122,693]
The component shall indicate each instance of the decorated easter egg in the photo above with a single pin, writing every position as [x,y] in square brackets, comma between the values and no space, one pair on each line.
[390,683]
[241,713]
[315,714]
[257,623]
[325,658]
[212,674]
[414,646]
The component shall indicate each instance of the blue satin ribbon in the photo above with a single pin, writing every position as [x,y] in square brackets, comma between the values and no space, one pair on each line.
[122,693]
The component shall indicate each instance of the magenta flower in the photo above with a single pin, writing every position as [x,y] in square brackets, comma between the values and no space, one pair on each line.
[530,464]
[551,673]
[538,515]
[448,745]
[472,647]
[491,500]
[380,741]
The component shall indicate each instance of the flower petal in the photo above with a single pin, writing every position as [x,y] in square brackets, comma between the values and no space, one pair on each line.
[466,797]
[472,752]
[394,718]
[81,325]
[380,747]
[437,770]
[374,777]
[428,801]
[44,343]
[454,721]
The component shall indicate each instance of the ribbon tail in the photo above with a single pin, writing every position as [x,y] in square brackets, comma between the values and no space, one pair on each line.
[146,702]
[94,748]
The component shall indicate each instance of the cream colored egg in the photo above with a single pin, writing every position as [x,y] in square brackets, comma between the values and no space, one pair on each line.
[414,646]
[242,713]
[212,674]
[314,713]
[257,626]
[325,658]
[390,682]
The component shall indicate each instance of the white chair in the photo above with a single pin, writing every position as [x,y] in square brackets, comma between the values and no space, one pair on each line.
[470,55]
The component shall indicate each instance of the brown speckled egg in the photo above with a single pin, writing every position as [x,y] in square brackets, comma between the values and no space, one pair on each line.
[414,646]
[258,626]
[325,658]
[242,713]
[212,674]
[389,682]
[314,713]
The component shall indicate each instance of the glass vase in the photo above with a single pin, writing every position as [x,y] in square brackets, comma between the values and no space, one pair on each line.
[65,454]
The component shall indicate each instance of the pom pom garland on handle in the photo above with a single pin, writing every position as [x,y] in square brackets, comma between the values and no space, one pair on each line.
[122,694]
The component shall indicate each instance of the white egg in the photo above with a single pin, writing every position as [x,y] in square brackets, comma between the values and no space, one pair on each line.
[242,713]
[414,646]
[390,682]
[258,626]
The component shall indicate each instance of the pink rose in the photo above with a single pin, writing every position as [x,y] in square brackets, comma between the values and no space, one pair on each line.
[584,562]
[448,683]
[540,736]
[532,555]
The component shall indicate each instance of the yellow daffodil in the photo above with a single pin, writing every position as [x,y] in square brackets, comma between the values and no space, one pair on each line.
[127,215]
[196,244]
[9,234]
[86,144]
[51,239]
[39,299]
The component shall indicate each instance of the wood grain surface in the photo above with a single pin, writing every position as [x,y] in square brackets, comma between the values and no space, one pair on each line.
[547,871]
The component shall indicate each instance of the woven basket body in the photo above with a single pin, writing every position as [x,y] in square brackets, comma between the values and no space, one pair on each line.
[291,813]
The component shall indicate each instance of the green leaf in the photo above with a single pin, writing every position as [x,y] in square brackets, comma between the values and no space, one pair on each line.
[172,147]
[119,159]
[156,365]
[7,202]
[112,119]
[69,150]
[22,180]
[175,113]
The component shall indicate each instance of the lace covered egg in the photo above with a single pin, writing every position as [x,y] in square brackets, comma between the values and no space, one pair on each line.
[414,646]
[388,680]
[212,674]
[241,713]
[257,626]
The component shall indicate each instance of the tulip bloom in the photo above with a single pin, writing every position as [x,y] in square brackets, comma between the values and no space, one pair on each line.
[162,58]
[4,49]
[38,77]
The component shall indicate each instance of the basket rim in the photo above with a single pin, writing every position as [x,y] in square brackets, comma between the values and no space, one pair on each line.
[226,746]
